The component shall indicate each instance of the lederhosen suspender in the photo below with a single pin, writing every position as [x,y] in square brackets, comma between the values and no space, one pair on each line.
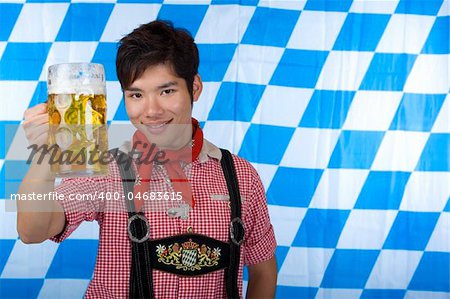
[236,225]
[141,282]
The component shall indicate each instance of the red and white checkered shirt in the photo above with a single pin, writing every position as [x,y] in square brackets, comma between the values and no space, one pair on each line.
[210,216]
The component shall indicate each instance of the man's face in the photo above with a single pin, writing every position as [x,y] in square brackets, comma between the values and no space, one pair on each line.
[158,104]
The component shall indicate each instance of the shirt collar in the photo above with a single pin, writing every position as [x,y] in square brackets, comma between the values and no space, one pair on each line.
[209,150]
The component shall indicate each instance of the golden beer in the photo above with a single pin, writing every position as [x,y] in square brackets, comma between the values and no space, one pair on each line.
[77,109]
[77,119]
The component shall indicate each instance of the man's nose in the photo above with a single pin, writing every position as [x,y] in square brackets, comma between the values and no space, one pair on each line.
[153,107]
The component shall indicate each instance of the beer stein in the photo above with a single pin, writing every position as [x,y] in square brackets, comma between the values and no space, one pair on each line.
[78,140]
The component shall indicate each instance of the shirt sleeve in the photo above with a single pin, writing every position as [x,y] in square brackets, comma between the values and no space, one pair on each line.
[79,204]
[259,243]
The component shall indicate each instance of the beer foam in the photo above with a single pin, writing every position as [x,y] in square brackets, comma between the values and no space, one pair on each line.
[76,89]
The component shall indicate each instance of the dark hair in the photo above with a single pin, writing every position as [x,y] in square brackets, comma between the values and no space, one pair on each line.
[157,42]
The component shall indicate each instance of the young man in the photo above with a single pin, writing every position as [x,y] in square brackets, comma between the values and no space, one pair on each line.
[193,250]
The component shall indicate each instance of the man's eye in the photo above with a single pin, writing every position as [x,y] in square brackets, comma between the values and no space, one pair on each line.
[167,91]
[135,95]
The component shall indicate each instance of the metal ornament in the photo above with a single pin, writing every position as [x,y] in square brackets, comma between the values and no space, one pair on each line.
[182,211]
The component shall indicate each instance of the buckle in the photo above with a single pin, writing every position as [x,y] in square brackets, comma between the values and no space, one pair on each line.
[236,221]
[147,225]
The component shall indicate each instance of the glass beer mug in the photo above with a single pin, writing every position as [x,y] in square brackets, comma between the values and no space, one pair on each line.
[77,119]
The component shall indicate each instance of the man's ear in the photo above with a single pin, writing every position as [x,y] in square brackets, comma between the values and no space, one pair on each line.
[197,87]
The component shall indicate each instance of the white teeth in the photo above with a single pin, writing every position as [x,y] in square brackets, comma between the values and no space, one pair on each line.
[157,126]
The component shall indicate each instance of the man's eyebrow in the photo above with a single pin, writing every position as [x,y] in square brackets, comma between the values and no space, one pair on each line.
[132,89]
[168,84]
[162,86]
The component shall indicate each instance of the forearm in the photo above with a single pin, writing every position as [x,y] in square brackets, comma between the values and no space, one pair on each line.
[262,280]
[37,220]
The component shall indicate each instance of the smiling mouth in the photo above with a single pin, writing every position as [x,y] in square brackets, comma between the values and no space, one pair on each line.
[157,126]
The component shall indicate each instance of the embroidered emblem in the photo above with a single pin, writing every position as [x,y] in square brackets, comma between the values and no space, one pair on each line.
[190,256]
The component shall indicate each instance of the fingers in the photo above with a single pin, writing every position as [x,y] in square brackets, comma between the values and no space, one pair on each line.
[35,110]
[35,120]
[37,134]
[35,124]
